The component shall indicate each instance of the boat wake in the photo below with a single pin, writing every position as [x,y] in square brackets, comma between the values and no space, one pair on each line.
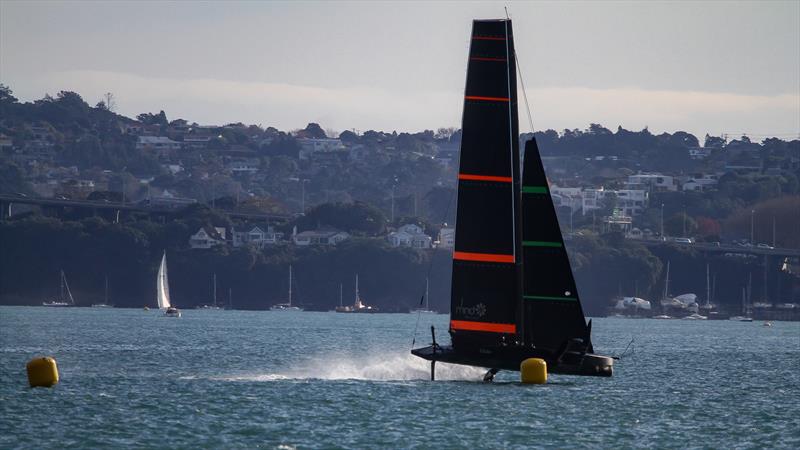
[397,367]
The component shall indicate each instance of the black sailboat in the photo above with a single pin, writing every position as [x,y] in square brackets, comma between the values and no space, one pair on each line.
[513,295]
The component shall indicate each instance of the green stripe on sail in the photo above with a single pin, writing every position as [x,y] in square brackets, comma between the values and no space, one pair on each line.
[542,297]
[540,244]
[534,189]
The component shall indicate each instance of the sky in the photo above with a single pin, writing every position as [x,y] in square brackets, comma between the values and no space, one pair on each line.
[712,67]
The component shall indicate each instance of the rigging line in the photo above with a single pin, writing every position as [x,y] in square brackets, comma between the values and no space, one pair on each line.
[524,92]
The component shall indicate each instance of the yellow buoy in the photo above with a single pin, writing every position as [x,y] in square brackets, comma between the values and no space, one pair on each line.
[533,371]
[42,372]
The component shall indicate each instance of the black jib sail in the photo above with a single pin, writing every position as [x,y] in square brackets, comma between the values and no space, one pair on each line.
[486,260]
[551,307]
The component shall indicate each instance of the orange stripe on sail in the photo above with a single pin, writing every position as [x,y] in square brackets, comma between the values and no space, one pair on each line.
[483,326]
[470,177]
[488,99]
[480,58]
[483,257]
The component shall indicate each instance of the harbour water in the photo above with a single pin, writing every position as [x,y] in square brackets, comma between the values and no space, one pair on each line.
[225,379]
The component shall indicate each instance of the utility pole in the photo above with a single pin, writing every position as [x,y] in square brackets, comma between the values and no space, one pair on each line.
[752,224]
[684,221]
[773,231]
[662,220]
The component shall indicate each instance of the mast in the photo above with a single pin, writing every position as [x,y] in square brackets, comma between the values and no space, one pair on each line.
[62,296]
[215,290]
[708,288]
[666,283]
[290,285]
[105,300]
[357,296]
[427,304]
[340,295]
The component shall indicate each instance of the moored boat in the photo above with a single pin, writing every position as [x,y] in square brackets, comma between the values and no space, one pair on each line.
[358,305]
[288,305]
[64,297]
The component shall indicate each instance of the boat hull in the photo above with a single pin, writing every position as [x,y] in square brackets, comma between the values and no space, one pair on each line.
[510,358]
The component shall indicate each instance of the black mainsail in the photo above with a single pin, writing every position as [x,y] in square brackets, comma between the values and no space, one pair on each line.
[513,295]
[486,260]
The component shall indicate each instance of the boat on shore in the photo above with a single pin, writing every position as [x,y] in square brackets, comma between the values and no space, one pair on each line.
[64,296]
[162,290]
[288,305]
[513,294]
[358,305]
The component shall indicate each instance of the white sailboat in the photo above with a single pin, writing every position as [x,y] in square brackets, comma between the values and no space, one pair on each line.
[105,303]
[213,304]
[287,306]
[427,308]
[162,290]
[64,297]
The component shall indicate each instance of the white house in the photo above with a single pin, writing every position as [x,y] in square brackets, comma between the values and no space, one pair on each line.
[248,165]
[409,235]
[207,237]
[700,183]
[255,236]
[571,198]
[320,237]
[447,238]
[630,202]
[157,143]
[653,182]
[309,147]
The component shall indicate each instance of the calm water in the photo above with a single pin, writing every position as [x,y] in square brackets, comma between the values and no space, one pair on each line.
[222,379]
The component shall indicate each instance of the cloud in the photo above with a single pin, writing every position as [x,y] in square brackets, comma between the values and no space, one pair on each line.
[289,106]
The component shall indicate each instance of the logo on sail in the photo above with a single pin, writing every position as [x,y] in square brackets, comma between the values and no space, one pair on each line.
[478,310]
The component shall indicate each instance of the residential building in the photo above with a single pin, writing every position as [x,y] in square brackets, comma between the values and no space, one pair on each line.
[447,238]
[195,141]
[160,145]
[320,237]
[630,202]
[563,197]
[652,182]
[700,183]
[255,236]
[309,147]
[699,152]
[409,236]
[207,237]
[243,166]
